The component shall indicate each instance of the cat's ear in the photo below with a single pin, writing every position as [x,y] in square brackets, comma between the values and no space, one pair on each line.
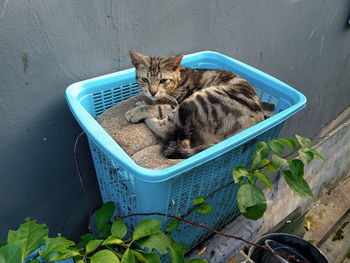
[173,62]
[137,58]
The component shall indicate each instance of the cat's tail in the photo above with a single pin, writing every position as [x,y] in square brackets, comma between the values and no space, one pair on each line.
[179,149]
[268,109]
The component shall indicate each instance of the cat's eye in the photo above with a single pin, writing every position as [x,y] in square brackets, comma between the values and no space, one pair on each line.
[163,80]
[145,80]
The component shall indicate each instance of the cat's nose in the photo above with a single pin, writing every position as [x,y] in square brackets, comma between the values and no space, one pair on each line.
[153,92]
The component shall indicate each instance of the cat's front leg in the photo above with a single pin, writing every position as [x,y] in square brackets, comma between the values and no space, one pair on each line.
[144,111]
[140,103]
[138,113]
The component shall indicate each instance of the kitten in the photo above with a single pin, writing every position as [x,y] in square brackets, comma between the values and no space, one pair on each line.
[192,109]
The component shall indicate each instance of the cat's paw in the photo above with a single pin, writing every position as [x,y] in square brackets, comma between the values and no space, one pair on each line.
[140,103]
[134,115]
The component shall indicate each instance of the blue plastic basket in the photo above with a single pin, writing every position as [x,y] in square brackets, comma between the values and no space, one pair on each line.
[135,189]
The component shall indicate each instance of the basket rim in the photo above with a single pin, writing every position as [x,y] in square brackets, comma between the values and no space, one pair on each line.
[105,142]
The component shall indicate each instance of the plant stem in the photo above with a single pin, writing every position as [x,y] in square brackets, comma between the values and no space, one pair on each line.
[269,161]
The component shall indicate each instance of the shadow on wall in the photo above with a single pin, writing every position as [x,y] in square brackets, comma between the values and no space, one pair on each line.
[42,182]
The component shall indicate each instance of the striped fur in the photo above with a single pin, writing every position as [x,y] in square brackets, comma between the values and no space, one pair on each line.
[210,106]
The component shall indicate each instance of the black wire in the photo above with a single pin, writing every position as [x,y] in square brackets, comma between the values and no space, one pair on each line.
[77,166]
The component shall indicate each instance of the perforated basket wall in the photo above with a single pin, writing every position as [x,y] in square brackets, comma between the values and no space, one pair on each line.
[118,185]
[138,190]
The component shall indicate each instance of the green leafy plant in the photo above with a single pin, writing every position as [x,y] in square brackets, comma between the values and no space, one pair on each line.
[111,244]
[23,241]
[267,159]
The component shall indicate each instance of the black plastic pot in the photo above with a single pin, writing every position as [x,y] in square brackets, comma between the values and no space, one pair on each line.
[288,245]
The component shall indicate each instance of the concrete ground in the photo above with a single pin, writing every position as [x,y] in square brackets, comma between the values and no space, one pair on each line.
[328,222]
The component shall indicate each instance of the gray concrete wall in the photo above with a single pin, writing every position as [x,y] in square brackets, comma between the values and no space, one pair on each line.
[46,45]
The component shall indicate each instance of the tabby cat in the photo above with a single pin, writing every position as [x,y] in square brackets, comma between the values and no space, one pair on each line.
[192,109]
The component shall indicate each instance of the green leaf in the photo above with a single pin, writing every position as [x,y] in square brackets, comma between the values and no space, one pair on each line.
[52,245]
[92,245]
[29,235]
[251,178]
[304,142]
[276,146]
[87,236]
[263,178]
[203,209]
[119,229]
[270,168]
[128,257]
[172,225]
[198,201]
[239,172]
[139,257]
[255,212]
[197,260]
[277,161]
[11,253]
[297,184]
[289,142]
[79,259]
[102,217]
[33,261]
[147,257]
[296,167]
[176,256]
[146,227]
[306,157]
[105,231]
[261,152]
[84,239]
[177,251]
[317,154]
[305,149]
[104,256]
[180,246]
[251,201]
[112,240]
[152,257]
[65,254]
[158,241]
[264,162]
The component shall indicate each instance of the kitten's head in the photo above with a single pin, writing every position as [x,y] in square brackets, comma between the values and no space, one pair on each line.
[156,75]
